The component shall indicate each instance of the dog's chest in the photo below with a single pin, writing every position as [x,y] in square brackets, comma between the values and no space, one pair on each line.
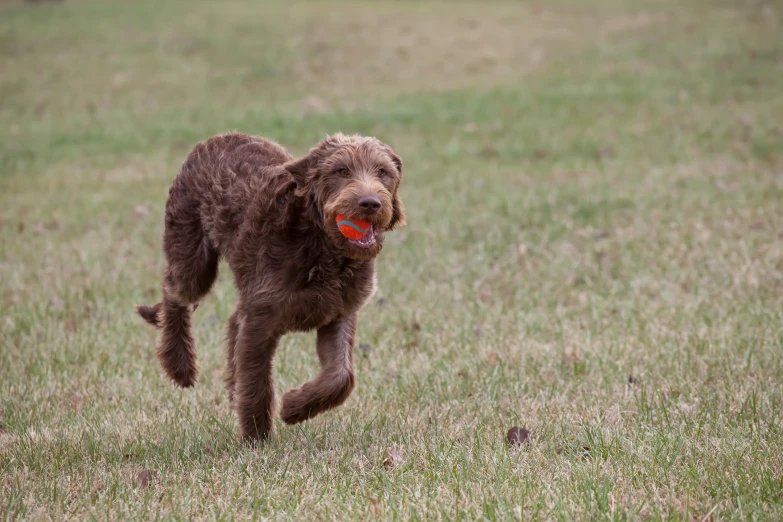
[327,292]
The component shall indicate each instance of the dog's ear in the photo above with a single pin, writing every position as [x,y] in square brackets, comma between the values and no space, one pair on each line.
[302,167]
[396,159]
[300,171]
[397,163]
[398,213]
[299,168]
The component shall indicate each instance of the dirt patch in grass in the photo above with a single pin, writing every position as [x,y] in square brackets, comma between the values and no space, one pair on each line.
[441,49]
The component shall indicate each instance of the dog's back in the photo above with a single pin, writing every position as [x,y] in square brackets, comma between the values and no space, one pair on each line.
[221,179]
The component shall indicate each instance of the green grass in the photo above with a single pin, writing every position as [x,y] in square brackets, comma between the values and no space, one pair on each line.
[594,191]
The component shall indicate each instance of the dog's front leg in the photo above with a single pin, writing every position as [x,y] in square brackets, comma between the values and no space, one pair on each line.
[254,392]
[336,379]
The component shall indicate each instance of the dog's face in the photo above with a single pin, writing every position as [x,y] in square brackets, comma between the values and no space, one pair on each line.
[356,177]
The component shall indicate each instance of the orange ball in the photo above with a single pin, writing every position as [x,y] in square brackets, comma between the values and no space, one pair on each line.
[352,228]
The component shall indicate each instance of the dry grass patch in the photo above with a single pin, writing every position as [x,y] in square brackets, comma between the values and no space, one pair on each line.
[443,47]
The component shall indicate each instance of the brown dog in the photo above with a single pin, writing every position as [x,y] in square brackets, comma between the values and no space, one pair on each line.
[273,218]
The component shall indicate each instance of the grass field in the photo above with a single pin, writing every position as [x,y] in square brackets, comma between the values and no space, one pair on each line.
[594,252]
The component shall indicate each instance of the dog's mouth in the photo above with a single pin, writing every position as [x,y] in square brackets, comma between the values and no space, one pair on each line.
[368,240]
[360,233]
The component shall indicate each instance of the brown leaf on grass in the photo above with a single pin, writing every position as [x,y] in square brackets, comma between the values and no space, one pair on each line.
[415,326]
[56,303]
[374,501]
[77,401]
[393,459]
[3,429]
[462,373]
[70,325]
[207,448]
[146,477]
[632,379]
[492,360]
[489,151]
[517,436]
[541,154]
[142,211]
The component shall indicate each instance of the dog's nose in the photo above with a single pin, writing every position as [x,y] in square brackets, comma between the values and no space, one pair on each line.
[370,204]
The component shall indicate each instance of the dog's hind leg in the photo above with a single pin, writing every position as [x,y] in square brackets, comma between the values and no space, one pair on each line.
[192,269]
[334,383]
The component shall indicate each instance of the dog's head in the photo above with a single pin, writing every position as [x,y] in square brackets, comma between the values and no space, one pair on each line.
[356,177]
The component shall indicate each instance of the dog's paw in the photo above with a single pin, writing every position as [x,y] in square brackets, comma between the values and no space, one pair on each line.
[294,408]
[255,440]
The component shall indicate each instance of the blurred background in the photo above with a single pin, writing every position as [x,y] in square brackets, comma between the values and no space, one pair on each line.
[594,251]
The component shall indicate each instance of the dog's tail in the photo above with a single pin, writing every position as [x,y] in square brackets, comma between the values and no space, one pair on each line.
[151,314]
[176,348]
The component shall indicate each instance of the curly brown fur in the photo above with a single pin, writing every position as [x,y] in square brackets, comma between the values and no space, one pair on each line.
[272,217]
[150,313]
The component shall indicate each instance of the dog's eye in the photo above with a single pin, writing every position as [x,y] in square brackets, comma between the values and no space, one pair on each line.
[343,172]
[383,173]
